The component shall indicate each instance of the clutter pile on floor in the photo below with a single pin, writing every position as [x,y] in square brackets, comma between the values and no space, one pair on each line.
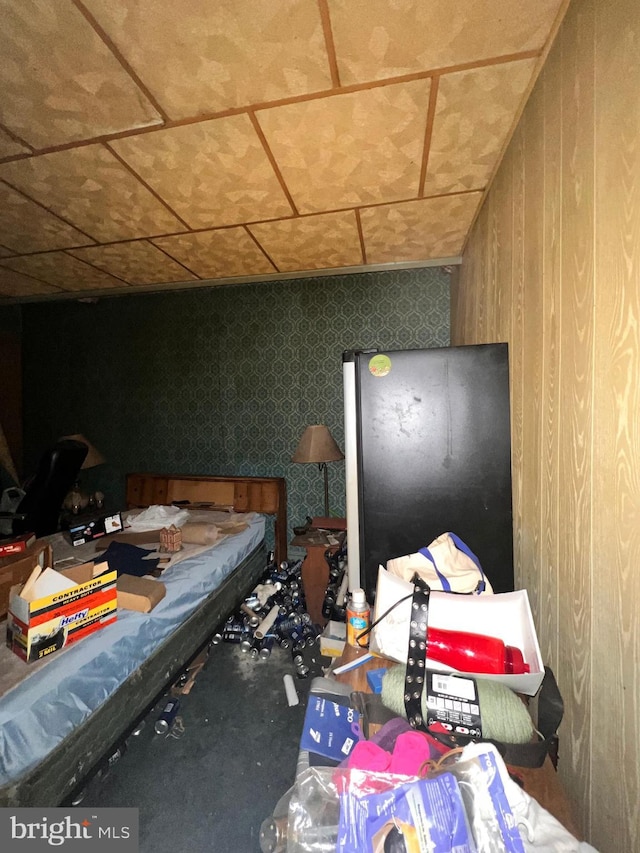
[415,745]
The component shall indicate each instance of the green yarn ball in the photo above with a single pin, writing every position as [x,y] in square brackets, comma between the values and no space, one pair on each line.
[504,716]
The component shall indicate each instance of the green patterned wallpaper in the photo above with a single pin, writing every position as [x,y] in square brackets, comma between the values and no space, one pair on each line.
[220,380]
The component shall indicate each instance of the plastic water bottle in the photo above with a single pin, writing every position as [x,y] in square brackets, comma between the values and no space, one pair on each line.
[468,652]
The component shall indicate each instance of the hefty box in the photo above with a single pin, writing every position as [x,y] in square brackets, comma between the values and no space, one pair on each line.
[74,603]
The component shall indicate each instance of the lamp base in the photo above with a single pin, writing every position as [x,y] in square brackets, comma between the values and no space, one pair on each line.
[323,467]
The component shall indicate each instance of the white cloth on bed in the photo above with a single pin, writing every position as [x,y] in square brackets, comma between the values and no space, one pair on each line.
[155,517]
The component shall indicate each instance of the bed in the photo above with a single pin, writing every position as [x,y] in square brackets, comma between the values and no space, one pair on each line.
[60,717]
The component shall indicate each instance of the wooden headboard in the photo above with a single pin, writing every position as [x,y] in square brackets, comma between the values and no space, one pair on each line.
[245,494]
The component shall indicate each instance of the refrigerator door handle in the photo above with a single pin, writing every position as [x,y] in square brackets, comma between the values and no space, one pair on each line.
[351,474]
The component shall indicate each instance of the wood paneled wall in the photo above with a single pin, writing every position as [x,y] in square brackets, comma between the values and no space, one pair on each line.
[553,267]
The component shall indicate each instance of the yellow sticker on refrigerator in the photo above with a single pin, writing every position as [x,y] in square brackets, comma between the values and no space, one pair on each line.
[379,365]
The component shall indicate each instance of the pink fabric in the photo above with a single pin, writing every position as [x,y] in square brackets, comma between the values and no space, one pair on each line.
[366,755]
[411,751]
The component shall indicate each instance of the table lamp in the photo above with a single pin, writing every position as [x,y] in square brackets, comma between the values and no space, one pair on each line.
[317,445]
[77,499]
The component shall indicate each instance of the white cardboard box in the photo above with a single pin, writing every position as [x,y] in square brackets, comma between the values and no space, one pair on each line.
[333,639]
[506,615]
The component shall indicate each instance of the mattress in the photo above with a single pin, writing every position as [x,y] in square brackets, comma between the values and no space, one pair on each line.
[44,709]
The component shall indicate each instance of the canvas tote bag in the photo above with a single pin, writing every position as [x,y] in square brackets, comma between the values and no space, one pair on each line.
[447,564]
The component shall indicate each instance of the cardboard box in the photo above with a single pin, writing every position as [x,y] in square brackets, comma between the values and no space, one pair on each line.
[333,639]
[36,629]
[506,615]
[141,594]
[95,527]
[16,545]
[17,568]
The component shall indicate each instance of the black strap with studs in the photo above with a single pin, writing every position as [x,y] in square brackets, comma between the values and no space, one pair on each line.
[416,653]
[524,755]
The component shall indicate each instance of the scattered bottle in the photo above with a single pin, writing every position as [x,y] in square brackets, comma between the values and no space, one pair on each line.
[469,652]
[358,619]
[167,717]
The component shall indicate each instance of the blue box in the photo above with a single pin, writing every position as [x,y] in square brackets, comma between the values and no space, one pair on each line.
[374,679]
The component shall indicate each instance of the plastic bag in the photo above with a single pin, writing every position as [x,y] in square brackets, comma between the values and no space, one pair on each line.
[9,502]
[335,809]
[461,806]
[314,811]
[422,815]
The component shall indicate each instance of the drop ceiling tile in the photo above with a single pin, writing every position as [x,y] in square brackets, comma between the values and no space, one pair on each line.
[138,262]
[474,112]
[311,242]
[213,173]
[89,187]
[63,271]
[60,81]
[376,39]
[350,149]
[225,253]
[9,147]
[27,227]
[214,56]
[418,230]
[15,284]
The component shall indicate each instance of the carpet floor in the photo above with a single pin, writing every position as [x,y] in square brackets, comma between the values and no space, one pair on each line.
[231,755]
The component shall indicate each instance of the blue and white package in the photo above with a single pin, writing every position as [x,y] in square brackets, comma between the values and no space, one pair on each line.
[330,729]
[463,809]
[425,815]
[490,815]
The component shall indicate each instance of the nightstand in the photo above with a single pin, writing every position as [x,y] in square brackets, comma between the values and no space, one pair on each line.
[315,569]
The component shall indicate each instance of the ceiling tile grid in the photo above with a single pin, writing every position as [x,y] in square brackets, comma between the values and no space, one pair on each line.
[138,262]
[211,173]
[91,188]
[61,82]
[323,241]
[10,147]
[147,142]
[13,283]
[25,226]
[217,56]
[435,227]
[350,149]
[62,270]
[379,39]
[217,254]
[474,112]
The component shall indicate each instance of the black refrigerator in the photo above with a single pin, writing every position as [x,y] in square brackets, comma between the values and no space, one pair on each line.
[427,450]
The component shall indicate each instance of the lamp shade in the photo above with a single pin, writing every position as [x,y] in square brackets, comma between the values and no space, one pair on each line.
[317,445]
[94,457]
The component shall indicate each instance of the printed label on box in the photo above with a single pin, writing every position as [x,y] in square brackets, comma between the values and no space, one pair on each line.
[452,700]
[94,528]
[330,729]
[39,628]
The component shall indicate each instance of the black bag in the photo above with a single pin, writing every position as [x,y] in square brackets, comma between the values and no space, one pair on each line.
[550,706]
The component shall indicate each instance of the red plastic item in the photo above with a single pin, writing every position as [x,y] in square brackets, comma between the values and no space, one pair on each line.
[469,652]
